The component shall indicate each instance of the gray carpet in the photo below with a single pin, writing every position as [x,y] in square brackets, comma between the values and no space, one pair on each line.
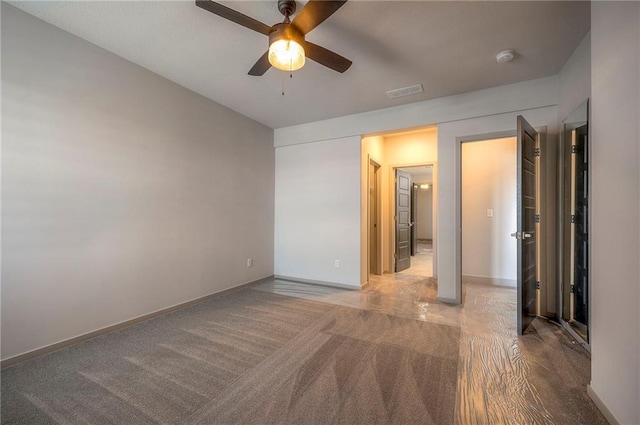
[248,357]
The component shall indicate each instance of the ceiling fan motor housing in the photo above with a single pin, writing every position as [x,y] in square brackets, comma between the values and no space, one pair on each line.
[286,32]
[287,7]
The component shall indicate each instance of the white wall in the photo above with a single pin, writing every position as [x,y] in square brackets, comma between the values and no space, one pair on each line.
[489,182]
[425,212]
[317,211]
[575,79]
[615,207]
[123,193]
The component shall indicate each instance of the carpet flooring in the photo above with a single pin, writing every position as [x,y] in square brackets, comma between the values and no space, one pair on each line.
[247,357]
[537,378]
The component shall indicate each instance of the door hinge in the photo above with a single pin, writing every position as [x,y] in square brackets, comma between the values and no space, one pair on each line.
[536,218]
[536,152]
[572,289]
[537,284]
[573,218]
[574,149]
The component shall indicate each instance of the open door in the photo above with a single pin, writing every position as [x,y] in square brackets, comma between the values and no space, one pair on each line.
[403,220]
[414,219]
[581,229]
[526,233]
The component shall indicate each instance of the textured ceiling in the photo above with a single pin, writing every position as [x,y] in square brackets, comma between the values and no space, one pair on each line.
[448,47]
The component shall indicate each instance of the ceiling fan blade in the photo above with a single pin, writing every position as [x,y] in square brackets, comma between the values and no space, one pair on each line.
[326,57]
[314,13]
[261,66]
[233,16]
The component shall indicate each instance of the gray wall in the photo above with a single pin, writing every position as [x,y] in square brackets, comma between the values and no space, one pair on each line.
[123,193]
[615,200]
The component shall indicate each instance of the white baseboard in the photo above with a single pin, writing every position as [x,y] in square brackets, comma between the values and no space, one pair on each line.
[495,281]
[602,406]
[448,300]
[317,282]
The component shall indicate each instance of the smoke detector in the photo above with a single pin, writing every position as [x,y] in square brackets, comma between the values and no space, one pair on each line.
[505,56]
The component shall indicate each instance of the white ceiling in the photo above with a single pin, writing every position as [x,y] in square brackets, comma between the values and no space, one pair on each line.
[420,174]
[448,47]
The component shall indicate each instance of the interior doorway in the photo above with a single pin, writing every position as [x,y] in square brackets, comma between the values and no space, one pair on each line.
[409,227]
[374,229]
[414,220]
[381,155]
[529,239]
[489,212]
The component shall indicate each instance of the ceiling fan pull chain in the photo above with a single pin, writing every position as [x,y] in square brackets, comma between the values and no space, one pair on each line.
[283,82]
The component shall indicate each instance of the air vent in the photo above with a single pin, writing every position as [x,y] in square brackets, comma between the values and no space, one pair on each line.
[405,91]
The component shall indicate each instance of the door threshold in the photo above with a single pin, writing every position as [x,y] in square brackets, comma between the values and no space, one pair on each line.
[575,335]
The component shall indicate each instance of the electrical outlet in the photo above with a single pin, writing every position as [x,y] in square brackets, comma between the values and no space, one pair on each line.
[336,264]
[490,212]
[249,262]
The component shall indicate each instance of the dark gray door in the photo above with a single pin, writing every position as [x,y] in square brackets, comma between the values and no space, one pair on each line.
[581,274]
[414,219]
[403,220]
[526,234]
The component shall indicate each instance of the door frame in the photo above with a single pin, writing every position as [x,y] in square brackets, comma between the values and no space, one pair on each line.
[392,211]
[541,229]
[378,210]
[578,117]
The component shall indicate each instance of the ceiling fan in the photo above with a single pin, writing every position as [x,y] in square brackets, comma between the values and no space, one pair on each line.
[287,46]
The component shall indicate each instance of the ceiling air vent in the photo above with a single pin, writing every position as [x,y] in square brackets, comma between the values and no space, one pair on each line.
[405,91]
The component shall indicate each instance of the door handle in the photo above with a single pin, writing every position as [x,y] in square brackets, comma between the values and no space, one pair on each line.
[516,235]
[522,235]
[410,223]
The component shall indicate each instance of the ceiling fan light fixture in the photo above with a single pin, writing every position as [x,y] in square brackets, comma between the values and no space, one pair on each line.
[286,55]
[285,48]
